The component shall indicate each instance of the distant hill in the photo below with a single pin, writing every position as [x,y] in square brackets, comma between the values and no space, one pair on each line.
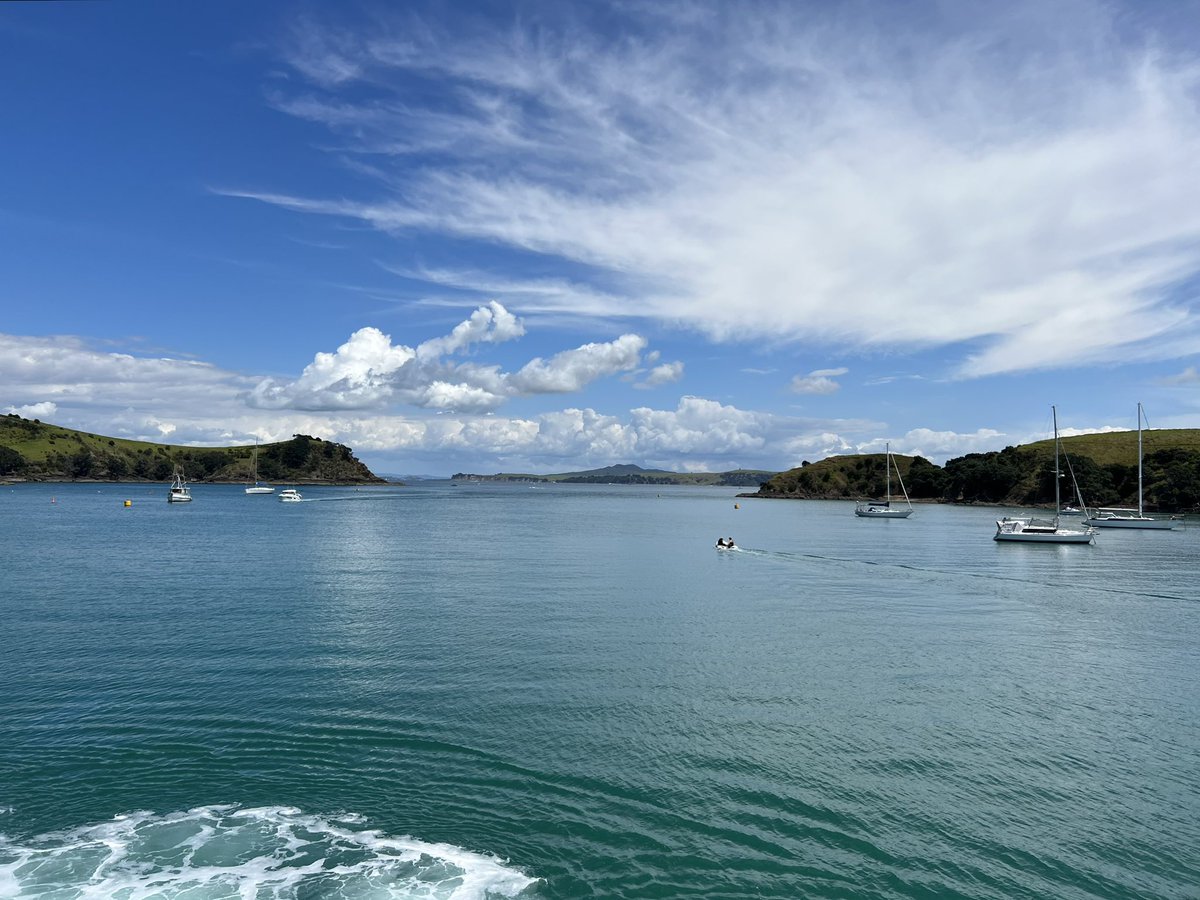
[631,474]
[1104,465]
[36,451]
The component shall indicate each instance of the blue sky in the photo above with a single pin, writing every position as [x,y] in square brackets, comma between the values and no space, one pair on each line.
[546,237]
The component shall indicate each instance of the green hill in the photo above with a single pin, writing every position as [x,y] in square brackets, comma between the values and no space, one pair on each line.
[631,474]
[36,451]
[1104,465]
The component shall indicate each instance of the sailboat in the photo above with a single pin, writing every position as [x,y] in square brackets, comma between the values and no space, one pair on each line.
[258,488]
[179,492]
[874,509]
[1043,531]
[1118,517]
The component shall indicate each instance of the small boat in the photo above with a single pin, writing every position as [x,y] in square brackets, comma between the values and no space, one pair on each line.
[1119,517]
[882,509]
[726,544]
[257,487]
[179,491]
[1043,531]
[290,495]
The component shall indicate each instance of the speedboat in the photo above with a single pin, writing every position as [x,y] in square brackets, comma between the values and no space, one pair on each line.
[290,495]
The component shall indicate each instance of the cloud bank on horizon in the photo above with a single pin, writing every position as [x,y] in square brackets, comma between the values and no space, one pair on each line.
[743,213]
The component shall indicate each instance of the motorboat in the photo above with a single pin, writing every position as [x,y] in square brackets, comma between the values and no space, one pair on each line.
[179,491]
[290,495]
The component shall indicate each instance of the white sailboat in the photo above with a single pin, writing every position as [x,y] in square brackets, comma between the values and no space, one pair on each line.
[258,488]
[1119,517]
[875,509]
[179,491]
[1043,531]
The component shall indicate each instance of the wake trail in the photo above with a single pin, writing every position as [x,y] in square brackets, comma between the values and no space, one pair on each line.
[979,576]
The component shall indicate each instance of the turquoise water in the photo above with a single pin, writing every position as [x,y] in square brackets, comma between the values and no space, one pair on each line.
[560,692]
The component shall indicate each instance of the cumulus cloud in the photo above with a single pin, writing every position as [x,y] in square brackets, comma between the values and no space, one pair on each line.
[45,409]
[716,168]
[667,373]
[358,375]
[370,372]
[819,381]
[572,369]
[193,403]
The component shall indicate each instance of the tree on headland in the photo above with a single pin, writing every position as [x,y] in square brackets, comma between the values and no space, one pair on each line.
[11,462]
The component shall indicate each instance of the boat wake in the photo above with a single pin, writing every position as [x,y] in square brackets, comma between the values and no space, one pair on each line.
[906,567]
[227,852]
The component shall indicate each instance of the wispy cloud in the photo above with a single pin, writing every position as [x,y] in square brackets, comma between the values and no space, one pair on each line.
[801,178]
[1188,376]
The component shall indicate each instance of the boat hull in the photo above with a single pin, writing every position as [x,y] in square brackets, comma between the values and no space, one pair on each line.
[260,490]
[1132,522]
[883,513]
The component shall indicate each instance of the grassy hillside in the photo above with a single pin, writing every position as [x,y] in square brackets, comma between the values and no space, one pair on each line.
[840,477]
[631,474]
[1104,465]
[34,450]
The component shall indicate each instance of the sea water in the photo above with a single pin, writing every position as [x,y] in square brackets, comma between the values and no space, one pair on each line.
[565,691]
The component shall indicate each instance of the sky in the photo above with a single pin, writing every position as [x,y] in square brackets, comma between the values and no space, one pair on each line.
[546,237]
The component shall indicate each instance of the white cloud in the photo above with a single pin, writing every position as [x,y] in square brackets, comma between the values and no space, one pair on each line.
[43,410]
[667,373]
[491,324]
[358,375]
[573,369]
[819,381]
[939,446]
[369,372]
[194,403]
[1187,376]
[726,171]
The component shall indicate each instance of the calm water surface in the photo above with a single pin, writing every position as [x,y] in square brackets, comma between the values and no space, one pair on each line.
[563,692]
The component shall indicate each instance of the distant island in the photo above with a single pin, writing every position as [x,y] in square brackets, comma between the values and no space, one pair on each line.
[32,450]
[1104,465]
[631,474]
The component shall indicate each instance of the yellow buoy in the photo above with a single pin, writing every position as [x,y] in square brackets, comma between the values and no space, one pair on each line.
[735,506]
[129,503]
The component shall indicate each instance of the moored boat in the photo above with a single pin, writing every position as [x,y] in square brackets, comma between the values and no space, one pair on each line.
[1018,529]
[179,492]
[1119,517]
[882,509]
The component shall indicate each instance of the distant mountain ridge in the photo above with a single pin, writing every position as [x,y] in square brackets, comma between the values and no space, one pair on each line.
[627,473]
[35,451]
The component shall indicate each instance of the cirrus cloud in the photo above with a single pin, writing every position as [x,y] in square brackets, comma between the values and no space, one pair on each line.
[715,168]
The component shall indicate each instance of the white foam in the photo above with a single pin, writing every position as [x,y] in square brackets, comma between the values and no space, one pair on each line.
[229,853]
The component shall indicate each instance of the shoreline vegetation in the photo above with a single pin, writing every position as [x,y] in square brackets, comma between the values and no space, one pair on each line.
[33,451]
[1104,465]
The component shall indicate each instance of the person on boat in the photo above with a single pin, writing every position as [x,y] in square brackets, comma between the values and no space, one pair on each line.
[721,543]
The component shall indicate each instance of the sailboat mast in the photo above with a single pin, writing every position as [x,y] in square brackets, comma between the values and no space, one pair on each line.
[887,465]
[1057,502]
[1139,460]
